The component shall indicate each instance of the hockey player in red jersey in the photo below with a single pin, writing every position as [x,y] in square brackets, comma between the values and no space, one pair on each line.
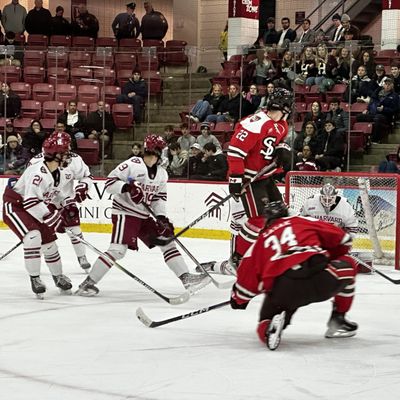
[296,261]
[27,211]
[257,141]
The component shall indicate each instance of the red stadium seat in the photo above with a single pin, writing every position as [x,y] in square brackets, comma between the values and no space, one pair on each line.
[154,83]
[37,41]
[57,75]
[10,73]
[99,60]
[131,44]
[34,58]
[125,61]
[56,59]
[175,53]
[31,109]
[82,107]
[83,42]
[79,59]
[110,93]
[106,75]
[89,150]
[81,76]
[21,125]
[66,92]
[88,93]
[148,62]
[60,40]
[22,89]
[34,75]
[42,92]
[122,115]
[48,123]
[123,76]
[51,109]
[107,42]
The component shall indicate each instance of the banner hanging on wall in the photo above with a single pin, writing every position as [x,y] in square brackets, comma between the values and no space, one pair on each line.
[244,9]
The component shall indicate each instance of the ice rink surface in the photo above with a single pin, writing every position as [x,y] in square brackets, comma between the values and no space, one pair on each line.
[71,347]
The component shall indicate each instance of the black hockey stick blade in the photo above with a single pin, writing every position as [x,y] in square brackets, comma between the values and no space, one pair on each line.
[145,320]
[2,256]
[373,269]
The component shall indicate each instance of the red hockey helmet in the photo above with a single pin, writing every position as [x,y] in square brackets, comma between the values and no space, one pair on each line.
[61,135]
[154,144]
[55,148]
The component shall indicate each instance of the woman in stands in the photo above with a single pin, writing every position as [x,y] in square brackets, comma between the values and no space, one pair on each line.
[306,66]
[344,60]
[367,60]
[315,115]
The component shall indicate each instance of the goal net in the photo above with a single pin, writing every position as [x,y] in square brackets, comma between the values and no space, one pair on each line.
[374,198]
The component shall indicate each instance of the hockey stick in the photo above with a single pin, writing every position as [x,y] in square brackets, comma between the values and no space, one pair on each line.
[10,251]
[145,320]
[219,285]
[267,169]
[373,269]
[184,297]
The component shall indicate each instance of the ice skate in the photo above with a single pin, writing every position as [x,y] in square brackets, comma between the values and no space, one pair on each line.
[226,267]
[84,263]
[63,283]
[274,332]
[87,288]
[339,326]
[38,287]
[194,282]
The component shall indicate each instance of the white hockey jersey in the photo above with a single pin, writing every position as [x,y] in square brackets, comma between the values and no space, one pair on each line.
[77,167]
[39,187]
[154,188]
[341,213]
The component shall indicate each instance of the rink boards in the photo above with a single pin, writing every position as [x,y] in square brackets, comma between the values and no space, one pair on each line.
[186,202]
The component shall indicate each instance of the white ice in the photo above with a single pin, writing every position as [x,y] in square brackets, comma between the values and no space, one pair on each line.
[71,347]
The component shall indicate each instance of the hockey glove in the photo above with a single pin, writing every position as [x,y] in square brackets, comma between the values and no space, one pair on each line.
[136,192]
[164,226]
[283,156]
[236,302]
[70,215]
[53,220]
[81,192]
[235,185]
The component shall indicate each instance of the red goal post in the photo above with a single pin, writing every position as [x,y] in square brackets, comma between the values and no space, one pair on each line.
[375,199]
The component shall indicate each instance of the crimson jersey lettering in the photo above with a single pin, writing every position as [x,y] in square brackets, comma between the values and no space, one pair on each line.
[253,143]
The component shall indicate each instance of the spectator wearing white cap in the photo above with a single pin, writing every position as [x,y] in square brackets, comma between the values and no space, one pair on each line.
[206,137]
[196,155]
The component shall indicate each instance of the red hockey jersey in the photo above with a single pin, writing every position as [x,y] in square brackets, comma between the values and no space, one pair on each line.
[253,144]
[288,242]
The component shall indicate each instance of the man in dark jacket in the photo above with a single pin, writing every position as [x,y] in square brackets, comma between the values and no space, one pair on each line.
[85,24]
[214,164]
[134,92]
[10,102]
[60,25]
[338,116]
[126,25]
[154,25]
[16,157]
[38,20]
[74,122]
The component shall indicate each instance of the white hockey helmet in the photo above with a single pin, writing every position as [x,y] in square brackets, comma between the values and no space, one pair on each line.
[328,195]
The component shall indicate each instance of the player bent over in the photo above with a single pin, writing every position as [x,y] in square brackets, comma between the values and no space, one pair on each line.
[257,142]
[27,211]
[296,261]
[81,173]
[134,183]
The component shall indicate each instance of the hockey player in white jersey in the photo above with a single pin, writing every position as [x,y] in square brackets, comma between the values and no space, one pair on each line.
[80,173]
[329,206]
[135,183]
[27,211]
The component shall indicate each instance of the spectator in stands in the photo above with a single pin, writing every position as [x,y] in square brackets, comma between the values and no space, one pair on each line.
[169,135]
[269,90]
[338,115]
[286,74]
[154,25]
[100,126]
[367,60]
[214,165]
[194,162]
[330,148]
[210,103]
[206,137]
[307,36]
[308,137]
[126,25]
[347,25]
[186,140]
[382,108]
[265,70]
[391,164]
[85,24]
[34,138]
[315,115]
[134,92]
[59,24]
[10,102]
[285,36]
[16,157]
[223,41]
[38,20]
[306,66]
[378,77]
[361,87]
[13,17]
[337,32]
[306,160]
[136,150]
[229,109]
[395,76]
[269,37]
[344,60]
[253,100]
[179,160]
[14,54]
[74,122]
[326,70]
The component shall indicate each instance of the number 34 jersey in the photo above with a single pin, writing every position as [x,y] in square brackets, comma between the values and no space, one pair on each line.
[253,143]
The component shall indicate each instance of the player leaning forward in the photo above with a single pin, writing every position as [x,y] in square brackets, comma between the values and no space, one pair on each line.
[27,211]
[136,184]
[296,261]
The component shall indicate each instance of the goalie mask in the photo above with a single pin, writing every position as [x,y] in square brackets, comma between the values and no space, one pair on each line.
[274,210]
[328,195]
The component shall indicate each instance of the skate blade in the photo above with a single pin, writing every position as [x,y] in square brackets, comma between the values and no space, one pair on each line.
[194,289]
[83,293]
[39,296]
[339,334]
[275,331]
[66,292]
